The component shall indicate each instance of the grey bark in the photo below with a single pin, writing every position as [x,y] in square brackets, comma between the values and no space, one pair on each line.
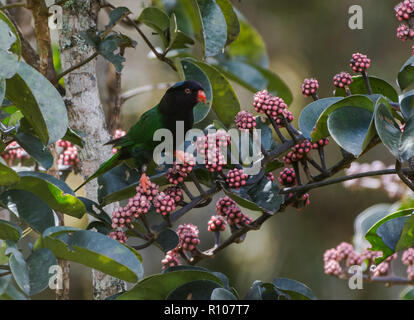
[85,110]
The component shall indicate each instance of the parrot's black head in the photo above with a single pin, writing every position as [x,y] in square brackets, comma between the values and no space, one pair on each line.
[182,97]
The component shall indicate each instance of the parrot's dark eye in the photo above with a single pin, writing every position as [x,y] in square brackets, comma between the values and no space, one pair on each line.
[187,91]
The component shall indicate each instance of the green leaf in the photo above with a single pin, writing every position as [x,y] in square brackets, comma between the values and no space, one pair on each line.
[407,104]
[117,15]
[19,269]
[378,86]
[74,137]
[2,89]
[9,231]
[8,176]
[157,20]
[261,196]
[94,250]
[16,48]
[9,63]
[4,282]
[40,103]
[222,294]
[390,234]
[38,264]
[407,293]
[214,27]
[35,148]
[249,45]
[320,130]
[7,37]
[167,239]
[12,293]
[193,72]
[194,290]
[311,113]
[96,211]
[54,192]
[397,142]
[352,128]
[225,102]
[255,78]
[232,21]
[158,286]
[107,49]
[29,208]
[406,75]
[295,289]
[178,39]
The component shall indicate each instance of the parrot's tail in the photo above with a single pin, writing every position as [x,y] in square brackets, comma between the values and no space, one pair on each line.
[105,167]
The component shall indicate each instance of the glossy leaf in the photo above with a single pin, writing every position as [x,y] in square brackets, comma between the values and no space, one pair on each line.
[320,131]
[40,103]
[94,250]
[397,142]
[117,15]
[194,290]
[38,264]
[352,128]
[8,64]
[167,239]
[8,176]
[222,294]
[95,210]
[407,293]
[53,191]
[406,74]
[16,48]
[391,234]
[194,72]
[249,45]
[74,137]
[158,286]
[9,231]
[11,293]
[214,27]
[225,102]
[311,113]
[295,289]
[35,148]
[19,269]
[29,208]
[255,78]
[232,21]
[407,104]
[378,86]
[157,20]
[7,37]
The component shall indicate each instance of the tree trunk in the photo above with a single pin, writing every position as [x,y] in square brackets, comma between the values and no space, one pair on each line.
[85,110]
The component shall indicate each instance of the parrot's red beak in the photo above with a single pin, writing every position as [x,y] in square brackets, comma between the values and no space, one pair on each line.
[201,97]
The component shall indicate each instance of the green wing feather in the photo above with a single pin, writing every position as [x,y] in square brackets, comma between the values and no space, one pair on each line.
[138,141]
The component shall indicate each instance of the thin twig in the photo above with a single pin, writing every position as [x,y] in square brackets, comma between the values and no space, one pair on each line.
[80,64]
[367,83]
[402,176]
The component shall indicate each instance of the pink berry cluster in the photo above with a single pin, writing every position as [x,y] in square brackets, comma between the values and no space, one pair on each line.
[227,208]
[245,120]
[287,177]
[408,260]
[272,106]
[118,235]
[270,176]
[118,134]
[337,260]
[163,203]
[342,80]
[188,235]
[298,152]
[236,178]
[302,201]
[14,152]
[68,156]
[320,143]
[404,11]
[216,224]
[170,260]
[213,148]
[310,87]
[180,171]
[359,62]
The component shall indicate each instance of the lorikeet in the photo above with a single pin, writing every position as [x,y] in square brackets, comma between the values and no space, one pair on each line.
[176,105]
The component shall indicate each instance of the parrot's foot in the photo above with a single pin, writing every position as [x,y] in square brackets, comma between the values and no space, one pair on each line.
[145,182]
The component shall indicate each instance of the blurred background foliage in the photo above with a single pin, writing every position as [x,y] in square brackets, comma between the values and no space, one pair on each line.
[304,39]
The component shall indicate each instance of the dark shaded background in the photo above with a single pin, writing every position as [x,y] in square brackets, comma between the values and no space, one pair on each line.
[304,38]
